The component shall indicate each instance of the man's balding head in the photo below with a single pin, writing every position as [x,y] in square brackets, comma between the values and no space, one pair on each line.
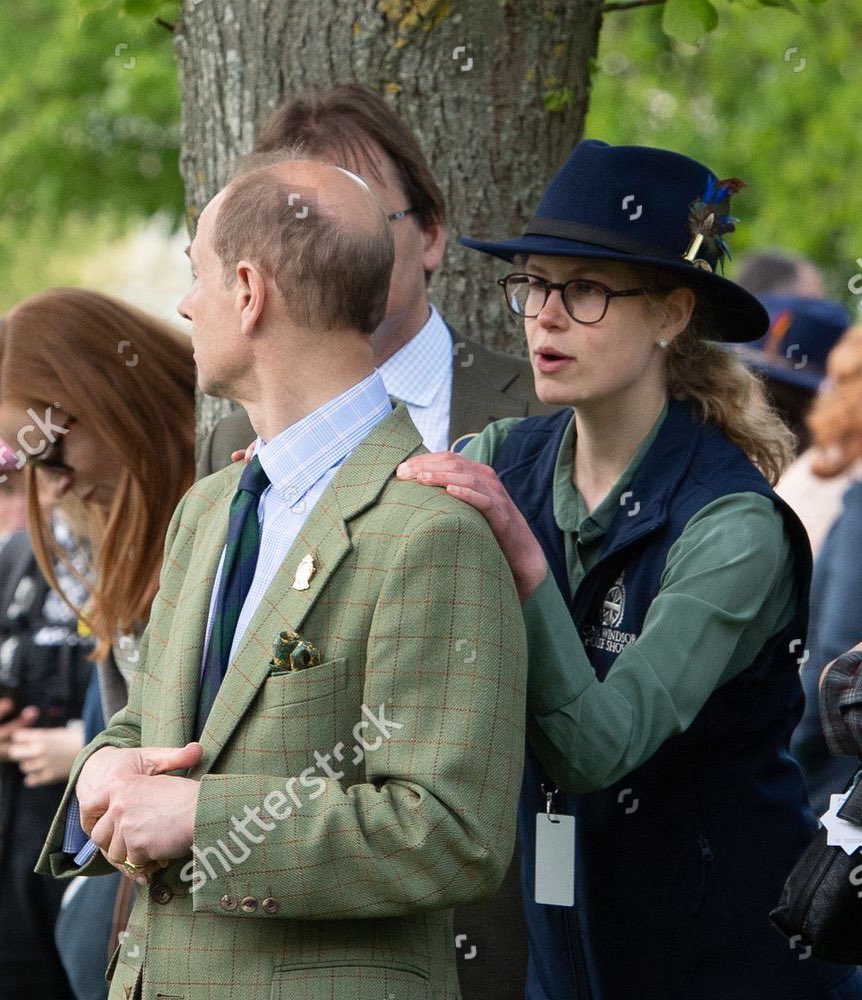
[318,232]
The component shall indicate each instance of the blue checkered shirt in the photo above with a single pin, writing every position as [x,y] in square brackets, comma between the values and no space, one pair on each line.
[420,374]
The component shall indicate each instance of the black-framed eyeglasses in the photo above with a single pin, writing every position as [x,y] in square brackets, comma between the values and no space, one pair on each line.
[395,216]
[584,300]
[52,458]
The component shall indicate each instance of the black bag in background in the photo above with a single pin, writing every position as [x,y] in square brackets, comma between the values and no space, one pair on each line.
[821,905]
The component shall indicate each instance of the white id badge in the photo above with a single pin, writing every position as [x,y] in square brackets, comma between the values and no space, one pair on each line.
[555,859]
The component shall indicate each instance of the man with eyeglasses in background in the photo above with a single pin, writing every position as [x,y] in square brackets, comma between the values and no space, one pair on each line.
[452,386]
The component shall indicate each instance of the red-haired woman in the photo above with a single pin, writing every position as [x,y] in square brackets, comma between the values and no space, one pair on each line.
[102,395]
[99,397]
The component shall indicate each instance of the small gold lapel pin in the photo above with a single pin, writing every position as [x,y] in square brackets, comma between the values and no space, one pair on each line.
[304,572]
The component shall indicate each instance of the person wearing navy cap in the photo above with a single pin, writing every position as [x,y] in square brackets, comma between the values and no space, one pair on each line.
[792,355]
[664,587]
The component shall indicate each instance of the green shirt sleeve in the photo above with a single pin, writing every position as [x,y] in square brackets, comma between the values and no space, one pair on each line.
[484,446]
[727,587]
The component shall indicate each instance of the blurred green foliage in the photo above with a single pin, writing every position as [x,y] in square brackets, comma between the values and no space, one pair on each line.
[768,96]
[689,20]
[89,119]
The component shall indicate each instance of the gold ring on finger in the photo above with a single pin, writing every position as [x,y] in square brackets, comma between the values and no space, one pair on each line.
[131,868]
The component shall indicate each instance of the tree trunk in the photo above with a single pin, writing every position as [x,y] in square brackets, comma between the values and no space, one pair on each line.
[496,91]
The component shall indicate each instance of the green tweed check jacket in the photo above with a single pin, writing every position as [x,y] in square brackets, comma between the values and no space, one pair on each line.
[344,889]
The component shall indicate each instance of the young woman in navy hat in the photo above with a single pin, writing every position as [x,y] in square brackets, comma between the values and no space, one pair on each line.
[664,587]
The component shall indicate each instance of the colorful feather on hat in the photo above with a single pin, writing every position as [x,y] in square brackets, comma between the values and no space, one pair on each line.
[708,221]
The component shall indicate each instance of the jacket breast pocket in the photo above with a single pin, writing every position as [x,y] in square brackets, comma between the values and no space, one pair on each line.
[351,981]
[296,687]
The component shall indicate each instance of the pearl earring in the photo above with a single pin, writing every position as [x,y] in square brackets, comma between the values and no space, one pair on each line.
[663,343]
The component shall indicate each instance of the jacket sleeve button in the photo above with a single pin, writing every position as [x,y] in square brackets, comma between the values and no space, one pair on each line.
[248,904]
[270,905]
[228,903]
[162,894]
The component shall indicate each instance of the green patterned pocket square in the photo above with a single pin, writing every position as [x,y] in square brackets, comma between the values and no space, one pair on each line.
[291,652]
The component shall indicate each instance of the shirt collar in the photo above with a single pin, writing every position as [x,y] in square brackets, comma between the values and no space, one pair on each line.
[296,458]
[569,509]
[415,371]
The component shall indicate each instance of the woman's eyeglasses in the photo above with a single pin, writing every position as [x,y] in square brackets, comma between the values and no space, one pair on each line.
[585,301]
[53,459]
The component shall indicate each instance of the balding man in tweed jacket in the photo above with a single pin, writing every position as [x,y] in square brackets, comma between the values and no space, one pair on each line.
[322,751]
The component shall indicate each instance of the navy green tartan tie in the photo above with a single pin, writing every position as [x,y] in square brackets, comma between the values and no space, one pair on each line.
[240,560]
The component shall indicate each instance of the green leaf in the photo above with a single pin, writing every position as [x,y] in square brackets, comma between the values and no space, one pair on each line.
[689,20]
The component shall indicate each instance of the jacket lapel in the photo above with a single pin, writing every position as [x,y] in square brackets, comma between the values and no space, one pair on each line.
[189,620]
[326,539]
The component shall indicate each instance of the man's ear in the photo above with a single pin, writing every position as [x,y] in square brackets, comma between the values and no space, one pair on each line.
[250,296]
[433,247]
[676,308]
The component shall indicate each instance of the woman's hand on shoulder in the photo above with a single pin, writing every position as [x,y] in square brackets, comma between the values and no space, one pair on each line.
[479,486]
[243,454]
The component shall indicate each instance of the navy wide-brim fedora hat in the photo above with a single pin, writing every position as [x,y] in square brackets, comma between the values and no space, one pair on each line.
[639,205]
[802,332]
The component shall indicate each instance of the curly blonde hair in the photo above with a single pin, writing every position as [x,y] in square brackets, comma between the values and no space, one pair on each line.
[725,391]
[835,420]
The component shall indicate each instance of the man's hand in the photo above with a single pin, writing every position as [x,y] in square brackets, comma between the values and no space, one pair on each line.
[45,756]
[110,767]
[11,725]
[150,820]
[114,791]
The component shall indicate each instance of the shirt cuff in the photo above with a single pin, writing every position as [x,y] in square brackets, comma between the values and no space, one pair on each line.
[841,705]
[75,840]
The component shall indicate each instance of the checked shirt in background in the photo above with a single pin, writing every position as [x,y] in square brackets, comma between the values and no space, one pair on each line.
[420,374]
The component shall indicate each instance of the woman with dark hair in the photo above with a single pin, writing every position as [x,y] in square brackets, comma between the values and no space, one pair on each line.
[98,397]
[664,587]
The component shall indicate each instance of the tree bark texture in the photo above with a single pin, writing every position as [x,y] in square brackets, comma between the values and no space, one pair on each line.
[496,90]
